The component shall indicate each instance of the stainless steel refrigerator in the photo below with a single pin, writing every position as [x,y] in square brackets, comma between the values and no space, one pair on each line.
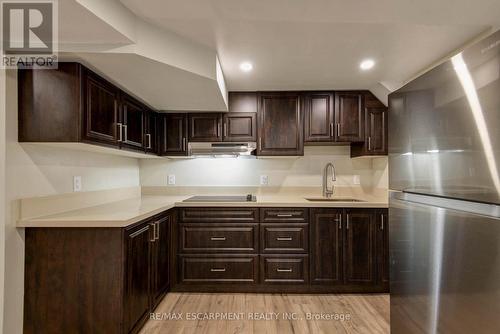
[444,162]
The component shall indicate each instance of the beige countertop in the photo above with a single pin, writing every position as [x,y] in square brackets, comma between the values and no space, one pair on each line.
[129,211]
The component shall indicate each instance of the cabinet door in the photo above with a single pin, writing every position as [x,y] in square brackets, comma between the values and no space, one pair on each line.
[326,246]
[359,247]
[205,127]
[173,134]
[133,123]
[150,132]
[240,127]
[100,110]
[376,130]
[160,260]
[383,248]
[319,118]
[280,125]
[349,120]
[137,273]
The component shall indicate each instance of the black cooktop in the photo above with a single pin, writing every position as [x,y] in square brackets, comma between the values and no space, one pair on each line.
[245,198]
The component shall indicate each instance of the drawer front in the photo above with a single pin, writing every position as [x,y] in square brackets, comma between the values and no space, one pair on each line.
[282,270]
[199,238]
[221,269]
[292,215]
[281,238]
[219,215]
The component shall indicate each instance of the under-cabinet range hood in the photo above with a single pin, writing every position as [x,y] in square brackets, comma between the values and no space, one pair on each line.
[222,150]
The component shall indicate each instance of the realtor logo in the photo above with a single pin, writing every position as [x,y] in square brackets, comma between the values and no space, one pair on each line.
[29,34]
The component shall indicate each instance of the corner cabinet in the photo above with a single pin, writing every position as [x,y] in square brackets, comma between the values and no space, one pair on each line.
[172,136]
[116,275]
[280,124]
[376,125]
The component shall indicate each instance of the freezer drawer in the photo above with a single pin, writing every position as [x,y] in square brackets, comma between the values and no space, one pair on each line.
[445,266]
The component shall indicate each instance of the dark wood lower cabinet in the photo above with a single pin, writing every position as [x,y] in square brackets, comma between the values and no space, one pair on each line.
[95,280]
[299,250]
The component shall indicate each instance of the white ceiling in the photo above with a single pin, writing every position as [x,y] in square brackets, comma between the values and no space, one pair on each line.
[318,44]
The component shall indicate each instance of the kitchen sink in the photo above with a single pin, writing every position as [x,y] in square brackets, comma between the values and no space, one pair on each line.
[334,199]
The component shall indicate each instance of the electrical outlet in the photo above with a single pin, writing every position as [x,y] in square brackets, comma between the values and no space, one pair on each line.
[355,179]
[264,180]
[77,183]
[171,179]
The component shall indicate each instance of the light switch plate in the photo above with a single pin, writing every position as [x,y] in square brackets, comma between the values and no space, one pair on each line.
[77,183]
[171,179]
[356,179]
[264,180]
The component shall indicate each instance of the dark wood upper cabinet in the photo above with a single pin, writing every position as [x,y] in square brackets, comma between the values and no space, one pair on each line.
[100,110]
[137,275]
[151,132]
[205,127]
[376,117]
[239,127]
[242,102]
[383,248]
[319,119]
[349,116]
[280,124]
[359,247]
[132,120]
[326,246]
[173,134]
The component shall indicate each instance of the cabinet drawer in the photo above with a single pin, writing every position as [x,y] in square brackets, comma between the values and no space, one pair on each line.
[219,215]
[218,269]
[281,238]
[284,269]
[220,238]
[283,215]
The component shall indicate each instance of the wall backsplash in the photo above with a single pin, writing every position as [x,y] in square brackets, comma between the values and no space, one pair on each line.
[303,171]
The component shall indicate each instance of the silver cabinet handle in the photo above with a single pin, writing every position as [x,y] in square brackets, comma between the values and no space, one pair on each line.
[339,220]
[331,130]
[284,270]
[157,230]
[153,225]
[120,131]
[218,238]
[338,129]
[284,215]
[218,269]
[382,222]
[347,222]
[125,132]
[260,144]
[369,143]
[148,139]
[184,143]
[218,129]
[284,238]
[225,129]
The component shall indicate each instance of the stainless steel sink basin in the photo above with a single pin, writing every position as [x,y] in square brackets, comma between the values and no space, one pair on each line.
[334,199]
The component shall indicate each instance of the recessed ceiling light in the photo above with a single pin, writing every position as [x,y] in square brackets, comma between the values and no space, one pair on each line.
[246,66]
[367,64]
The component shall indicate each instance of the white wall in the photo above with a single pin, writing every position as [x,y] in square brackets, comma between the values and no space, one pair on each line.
[2,193]
[39,171]
[283,172]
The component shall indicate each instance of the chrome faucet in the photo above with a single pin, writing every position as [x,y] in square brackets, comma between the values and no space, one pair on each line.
[326,191]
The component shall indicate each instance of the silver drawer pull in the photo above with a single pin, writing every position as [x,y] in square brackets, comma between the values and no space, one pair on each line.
[284,215]
[218,238]
[283,270]
[284,238]
[218,269]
